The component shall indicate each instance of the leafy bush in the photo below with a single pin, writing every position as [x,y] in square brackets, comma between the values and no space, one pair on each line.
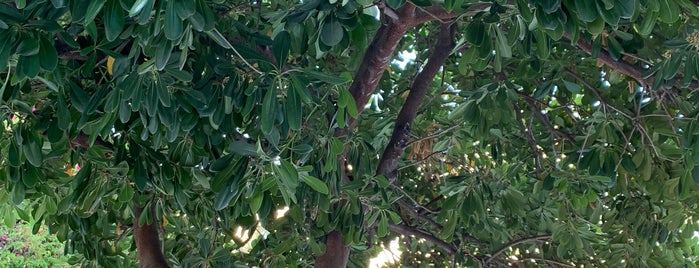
[20,248]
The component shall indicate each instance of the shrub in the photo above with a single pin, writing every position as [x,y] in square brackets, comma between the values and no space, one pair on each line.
[20,248]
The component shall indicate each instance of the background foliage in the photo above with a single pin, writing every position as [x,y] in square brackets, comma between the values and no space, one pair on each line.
[555,132]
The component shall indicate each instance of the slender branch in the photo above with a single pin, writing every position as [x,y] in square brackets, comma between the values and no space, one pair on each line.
[408,231]
[624,67]
[417,162]
[436,134]
[411,210]
[388,165]
[531,102]
[514,243]
[554,262]
[438,13]
[594,91]
[530,138]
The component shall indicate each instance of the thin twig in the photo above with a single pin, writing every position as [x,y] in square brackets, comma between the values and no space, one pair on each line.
[514,243]
[407,231]
[530,139]
[437,134]
[417,162]
[554,262]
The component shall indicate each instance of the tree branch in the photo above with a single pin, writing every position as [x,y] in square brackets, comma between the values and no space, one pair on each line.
[626,68]
[408,231]
[388,165]
[437,134]
[531,102]
[554,262]
[375,60]
[514,243]
[437,12]
[530,138]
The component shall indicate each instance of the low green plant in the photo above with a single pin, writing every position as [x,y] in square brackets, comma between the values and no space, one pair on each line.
[20,248]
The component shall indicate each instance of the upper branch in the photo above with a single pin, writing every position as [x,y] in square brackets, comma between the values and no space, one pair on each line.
[388,166]
[514,243]
[407,230]
[624,67]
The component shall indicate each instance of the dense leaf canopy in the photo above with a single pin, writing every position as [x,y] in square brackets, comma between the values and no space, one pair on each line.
[541,133]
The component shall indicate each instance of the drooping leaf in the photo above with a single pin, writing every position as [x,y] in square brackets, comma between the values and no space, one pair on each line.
[113,19]
[173,24]
[315,183]
[282,43]
[332,32]
[93,9]
[48,57]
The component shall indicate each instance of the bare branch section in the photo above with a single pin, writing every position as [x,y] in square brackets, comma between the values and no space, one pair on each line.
[388,166]
[376,59]
[411,231]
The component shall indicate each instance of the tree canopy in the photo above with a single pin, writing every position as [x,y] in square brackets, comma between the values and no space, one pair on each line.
[200,133]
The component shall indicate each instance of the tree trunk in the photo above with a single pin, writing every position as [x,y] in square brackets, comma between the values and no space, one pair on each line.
[336,253]
[150,254]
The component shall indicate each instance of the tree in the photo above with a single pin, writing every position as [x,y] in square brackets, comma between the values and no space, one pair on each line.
[530,133]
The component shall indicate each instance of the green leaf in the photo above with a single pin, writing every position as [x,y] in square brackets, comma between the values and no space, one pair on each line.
[615,49]
[5,53]
[587,10]
[21,4]
[332,32]
[669,11]
[316,184]
[647,24]
[111,102]
[28,66]
[32,151]
[626,8]
[219,39]
[395,4]
[173,23]
[185,8]
[382,229]
[596,26]
[288,173]
[113,19]
[330,79]
[572,87]
[611,16]
[138,6]
[382,181]
[223,198]
[503,45]
[269,111]
[294,110]
[62,113]
[256,203]
[14,154]
[550,6]
[28,47]
[162,54]
[48,57]
[140,176]
[92,10]
[281,45]
[476,33]
[18,193]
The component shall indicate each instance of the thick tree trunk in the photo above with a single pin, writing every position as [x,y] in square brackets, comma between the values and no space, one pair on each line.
[336,253]
[366,79]
[150,254]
